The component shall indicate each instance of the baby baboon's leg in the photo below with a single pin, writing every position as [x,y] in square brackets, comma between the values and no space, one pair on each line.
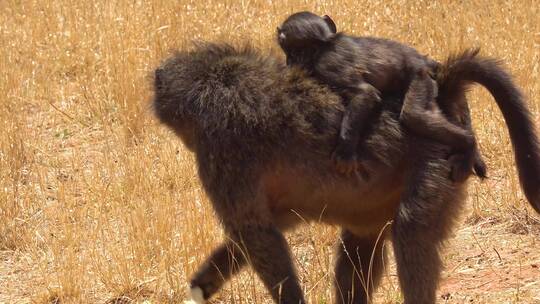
[431,123]
[268,252]
[362,102]
[463,162]
[359,268]
[225,261]
[461,169]
[480,167]
[425,215]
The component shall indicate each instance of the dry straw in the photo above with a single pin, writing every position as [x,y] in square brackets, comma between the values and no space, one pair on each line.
[99,203]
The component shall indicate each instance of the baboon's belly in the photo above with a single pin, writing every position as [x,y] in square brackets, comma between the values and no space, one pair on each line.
[295,196]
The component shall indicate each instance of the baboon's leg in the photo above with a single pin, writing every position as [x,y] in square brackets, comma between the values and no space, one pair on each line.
[463,162]
[462,165]
[362,101]
[220,266]
[427,209]
[359,268]
[268,252]
[418,263]
[479,165]
[432,124]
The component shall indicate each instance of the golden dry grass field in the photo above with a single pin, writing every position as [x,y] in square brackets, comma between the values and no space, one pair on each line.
[100,204]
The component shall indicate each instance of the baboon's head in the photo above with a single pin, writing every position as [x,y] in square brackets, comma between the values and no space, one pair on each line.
[214,87]
[174,103]
[305,30]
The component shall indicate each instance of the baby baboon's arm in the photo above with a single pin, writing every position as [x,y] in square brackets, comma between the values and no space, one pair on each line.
[362,102]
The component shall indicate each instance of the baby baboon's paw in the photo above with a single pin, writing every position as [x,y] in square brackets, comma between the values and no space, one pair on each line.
[349,165]
[461,166]
[362,173]
[345,162]
[480,167]
[196,296]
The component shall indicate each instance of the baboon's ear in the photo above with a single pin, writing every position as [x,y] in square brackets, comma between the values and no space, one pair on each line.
[330,23]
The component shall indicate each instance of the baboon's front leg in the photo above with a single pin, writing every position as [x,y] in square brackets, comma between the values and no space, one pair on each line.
[220,266]
[359,268]
[268,252]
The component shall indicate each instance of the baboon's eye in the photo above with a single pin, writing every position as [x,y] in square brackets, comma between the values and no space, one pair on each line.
[281,34]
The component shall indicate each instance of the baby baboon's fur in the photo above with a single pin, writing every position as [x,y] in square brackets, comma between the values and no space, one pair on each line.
[360,69]
[262,135]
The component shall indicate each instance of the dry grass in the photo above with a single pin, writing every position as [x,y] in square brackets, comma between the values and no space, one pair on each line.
[98,203]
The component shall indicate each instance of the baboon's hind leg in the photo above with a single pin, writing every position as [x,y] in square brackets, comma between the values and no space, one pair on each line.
[427,210]
[359,268]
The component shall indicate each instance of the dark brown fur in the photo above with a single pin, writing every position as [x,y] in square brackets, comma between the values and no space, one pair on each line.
[262,133]
[360,69]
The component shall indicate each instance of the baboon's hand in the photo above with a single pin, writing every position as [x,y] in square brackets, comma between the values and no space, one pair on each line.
[196,296]
[348,164]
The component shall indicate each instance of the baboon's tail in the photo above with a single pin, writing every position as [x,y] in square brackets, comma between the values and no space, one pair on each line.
[466,68]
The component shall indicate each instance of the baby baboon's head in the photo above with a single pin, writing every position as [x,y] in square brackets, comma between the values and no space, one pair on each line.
[304,30]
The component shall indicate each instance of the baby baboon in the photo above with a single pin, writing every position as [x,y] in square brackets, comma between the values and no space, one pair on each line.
[262,133]
[360,69]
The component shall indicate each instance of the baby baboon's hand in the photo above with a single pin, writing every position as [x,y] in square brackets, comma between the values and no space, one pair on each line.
[348,164]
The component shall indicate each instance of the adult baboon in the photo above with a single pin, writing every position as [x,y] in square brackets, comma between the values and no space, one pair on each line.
[262,135]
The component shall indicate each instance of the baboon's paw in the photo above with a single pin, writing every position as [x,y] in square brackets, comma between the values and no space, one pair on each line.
[197,296]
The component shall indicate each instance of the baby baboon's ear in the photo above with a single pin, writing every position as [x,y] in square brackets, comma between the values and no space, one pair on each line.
[330,23]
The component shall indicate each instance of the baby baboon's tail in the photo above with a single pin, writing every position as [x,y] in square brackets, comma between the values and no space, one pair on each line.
[466,68]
